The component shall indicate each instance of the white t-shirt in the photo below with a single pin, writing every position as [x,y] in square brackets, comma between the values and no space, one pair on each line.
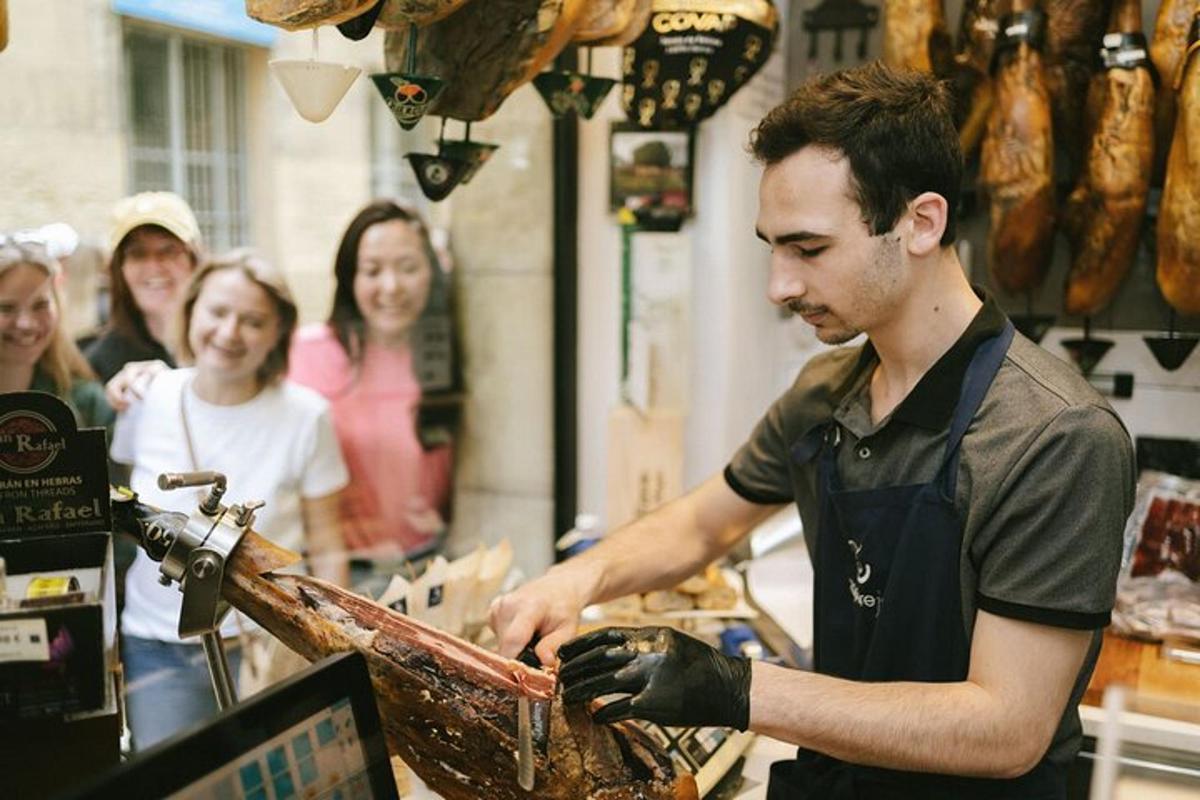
[277,447]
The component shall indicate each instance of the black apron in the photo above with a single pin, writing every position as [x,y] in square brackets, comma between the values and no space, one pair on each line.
[887,605]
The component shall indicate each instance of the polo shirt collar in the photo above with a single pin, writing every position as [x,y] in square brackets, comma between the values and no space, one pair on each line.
[932,401]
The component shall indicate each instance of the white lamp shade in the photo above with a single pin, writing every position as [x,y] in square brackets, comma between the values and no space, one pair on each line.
[314,87]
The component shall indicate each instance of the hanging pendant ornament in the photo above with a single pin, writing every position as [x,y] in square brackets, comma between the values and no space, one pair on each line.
[692,57]
[407,94]
[1086,351]
[456,162]
[473,154]
[359,27]
[567,91]
[314,87]
[1172,348]
[437,176]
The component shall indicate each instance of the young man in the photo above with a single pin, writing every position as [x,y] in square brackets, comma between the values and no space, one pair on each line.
[963,494]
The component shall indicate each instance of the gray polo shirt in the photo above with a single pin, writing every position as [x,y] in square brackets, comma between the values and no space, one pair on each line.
[1045,477]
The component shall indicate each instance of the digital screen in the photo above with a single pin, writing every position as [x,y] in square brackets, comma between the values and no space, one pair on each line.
[315,735]
[321,758]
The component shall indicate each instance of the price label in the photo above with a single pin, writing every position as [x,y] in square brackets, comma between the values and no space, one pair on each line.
[24,640]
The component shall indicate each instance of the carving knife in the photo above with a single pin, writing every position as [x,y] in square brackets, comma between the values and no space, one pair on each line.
[529,721]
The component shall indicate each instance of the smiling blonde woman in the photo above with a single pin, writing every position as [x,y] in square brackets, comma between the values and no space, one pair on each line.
[231,411]
[35,352]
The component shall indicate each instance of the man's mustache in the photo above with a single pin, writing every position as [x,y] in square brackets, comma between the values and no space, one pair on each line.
[800,307]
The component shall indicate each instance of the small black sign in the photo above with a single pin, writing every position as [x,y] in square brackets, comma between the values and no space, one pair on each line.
[692,57]
[53,477]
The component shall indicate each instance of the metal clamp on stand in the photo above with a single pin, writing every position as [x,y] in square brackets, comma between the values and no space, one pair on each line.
[195,557]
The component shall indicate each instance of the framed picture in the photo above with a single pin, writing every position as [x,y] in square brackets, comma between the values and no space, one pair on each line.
[651,171]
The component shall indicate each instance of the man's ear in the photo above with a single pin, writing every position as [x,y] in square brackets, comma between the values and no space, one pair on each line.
[928,212]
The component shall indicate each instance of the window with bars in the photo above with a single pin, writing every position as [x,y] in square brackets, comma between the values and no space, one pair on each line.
[187,123]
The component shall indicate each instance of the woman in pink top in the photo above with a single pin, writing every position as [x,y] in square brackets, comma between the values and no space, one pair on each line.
[389,286]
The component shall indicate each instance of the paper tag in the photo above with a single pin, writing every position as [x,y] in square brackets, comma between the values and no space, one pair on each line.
[24,640]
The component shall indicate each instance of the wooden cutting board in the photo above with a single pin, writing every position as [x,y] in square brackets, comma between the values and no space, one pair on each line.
[1141,667]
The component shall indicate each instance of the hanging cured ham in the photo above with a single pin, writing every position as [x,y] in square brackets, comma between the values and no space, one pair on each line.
[487,50]
[1104,214]
[1179,215]
[295,15]
[399,14]
[1073,31]
[1017,160]
[1166,51]
[971,78]
[915,36]
[639,18]
[604,19]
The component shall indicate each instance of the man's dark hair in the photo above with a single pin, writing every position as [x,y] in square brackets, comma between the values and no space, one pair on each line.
[896,128]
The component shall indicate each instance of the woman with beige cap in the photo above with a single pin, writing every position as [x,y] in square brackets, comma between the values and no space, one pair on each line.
[36,354]
[155,244]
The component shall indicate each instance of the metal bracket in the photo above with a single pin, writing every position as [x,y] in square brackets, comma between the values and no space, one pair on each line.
[196,559]
[193,551]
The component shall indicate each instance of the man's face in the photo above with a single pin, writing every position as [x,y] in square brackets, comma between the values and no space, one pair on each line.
[825,264]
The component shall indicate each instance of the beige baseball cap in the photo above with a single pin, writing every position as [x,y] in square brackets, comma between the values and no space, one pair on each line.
[165,209]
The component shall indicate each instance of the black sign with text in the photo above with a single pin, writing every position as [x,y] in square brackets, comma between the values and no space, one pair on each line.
[53,476]
[692,57]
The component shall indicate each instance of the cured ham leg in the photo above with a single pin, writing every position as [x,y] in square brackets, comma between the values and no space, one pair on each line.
[1017,166]
[1073,32]
[915,36]
[485,50]
[1166,51]
[1178,270]
[449,708]
[1104,214]
[972,80]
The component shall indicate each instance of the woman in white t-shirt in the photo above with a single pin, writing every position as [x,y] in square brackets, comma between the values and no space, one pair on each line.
[231,412]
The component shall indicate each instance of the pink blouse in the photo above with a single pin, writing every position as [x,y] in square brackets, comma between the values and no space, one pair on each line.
[399,493]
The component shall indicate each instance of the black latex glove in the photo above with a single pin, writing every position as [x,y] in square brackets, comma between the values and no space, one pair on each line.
[670,678]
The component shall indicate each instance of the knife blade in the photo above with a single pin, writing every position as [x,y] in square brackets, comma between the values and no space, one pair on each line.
[524,745]
[525,732]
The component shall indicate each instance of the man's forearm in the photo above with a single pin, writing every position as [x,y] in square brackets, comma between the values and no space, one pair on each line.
[656,551]
[666,546]
[997,723]
[954,728]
